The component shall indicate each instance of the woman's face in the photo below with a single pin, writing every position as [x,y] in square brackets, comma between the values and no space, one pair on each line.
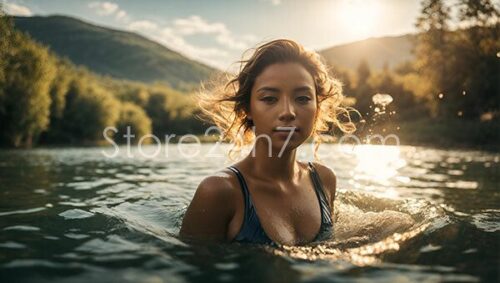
[283,95]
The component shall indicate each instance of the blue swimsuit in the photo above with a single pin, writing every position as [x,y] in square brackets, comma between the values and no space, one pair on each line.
[251,230]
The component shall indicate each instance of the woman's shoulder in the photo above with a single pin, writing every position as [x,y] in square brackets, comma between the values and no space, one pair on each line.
[323,170]
[212,207]
[327,177]
[220,184]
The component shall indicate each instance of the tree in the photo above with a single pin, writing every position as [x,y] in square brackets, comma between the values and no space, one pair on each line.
[89,110]
[171,112]
[405,105]
[476,63]
[363,92]
[363,72]
[59,87]
[5,39]
[134,117]
[26,76]
[432,49]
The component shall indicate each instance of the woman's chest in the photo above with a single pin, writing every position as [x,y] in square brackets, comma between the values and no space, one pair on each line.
[289,217]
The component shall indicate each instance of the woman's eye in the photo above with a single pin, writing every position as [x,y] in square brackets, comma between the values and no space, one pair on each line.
[269,99]
[303,99]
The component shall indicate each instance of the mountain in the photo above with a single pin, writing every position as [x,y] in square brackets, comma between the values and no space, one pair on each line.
[126,55]
[119,54]
[377,52]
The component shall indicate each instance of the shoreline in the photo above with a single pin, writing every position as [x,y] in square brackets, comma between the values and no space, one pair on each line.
[491,148]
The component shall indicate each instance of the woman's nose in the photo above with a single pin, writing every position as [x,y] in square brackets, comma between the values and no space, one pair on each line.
[287,111]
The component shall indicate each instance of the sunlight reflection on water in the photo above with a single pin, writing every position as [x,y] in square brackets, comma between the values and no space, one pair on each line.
[75,211]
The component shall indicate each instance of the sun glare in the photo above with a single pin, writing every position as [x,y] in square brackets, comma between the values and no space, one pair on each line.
[378,163]
[359,17]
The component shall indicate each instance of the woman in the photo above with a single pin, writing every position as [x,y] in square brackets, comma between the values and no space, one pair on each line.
[282,96]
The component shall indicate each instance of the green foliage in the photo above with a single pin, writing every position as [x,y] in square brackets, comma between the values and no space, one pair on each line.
[59,87]
[5,43]
[127,91]
[119,54]
[432,49]
[26,75]
[363,72]
[363,91]
[41,94]
[89,110]
[451,133]
[405,105]
[461,66]
[134,117]
[171,112]
[476,61]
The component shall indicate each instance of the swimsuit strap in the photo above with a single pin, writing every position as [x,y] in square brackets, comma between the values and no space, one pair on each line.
[244,189]
[326,215]
[251,230]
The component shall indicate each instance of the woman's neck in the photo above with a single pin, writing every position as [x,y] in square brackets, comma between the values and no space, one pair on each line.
[273,165]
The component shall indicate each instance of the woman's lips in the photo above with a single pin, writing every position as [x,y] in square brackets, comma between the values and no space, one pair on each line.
[285,132]
[286,129]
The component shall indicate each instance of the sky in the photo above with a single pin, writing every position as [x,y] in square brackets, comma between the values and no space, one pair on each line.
[218,32]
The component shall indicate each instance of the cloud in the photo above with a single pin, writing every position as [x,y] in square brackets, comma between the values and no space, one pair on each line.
[175,36]
[273,2]
[169,37]
[109,9]
[143,25]
[104,8]
[121,15]
[17,10]
[196,25]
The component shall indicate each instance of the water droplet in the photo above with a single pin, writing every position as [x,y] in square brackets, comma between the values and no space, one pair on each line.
[382,98]
[441,96]
[464,93]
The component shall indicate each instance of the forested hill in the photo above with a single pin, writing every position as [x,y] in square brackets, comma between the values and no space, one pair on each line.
[376,51]
[116,53]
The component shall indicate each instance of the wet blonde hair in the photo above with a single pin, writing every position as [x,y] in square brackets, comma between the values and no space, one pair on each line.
[226,100]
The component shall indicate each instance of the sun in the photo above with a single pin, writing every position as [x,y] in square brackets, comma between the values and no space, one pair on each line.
[359,17]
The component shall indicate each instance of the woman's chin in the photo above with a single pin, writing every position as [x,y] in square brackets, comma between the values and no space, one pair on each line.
[284,146]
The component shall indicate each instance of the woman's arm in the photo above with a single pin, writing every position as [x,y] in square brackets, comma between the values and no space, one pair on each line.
[210,211]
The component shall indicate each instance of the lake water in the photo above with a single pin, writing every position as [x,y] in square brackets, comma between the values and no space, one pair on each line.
[402,214]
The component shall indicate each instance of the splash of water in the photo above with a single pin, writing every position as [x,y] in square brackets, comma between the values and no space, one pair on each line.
[382,99]
[361,256]
[380,102]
